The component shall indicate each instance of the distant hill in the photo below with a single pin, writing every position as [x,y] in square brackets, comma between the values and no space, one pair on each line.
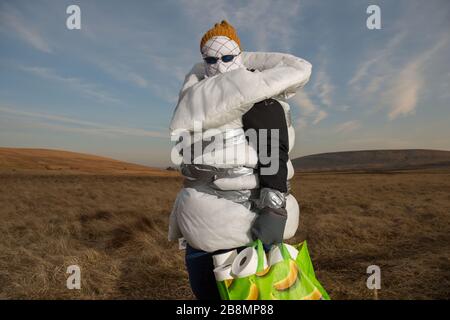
[58,161]
[65,162]
[374,160]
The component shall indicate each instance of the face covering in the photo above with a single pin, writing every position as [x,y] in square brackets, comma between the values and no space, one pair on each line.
[218,47]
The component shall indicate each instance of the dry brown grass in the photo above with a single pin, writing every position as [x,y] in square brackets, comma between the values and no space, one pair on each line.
[115,228]
[398,221]
[48,161]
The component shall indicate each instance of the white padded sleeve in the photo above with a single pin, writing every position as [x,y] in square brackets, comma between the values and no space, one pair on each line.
[293,214]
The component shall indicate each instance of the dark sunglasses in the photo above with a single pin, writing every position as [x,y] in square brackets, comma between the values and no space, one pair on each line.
[225,58]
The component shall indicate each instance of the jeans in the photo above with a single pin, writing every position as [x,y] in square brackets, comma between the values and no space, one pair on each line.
[200,268]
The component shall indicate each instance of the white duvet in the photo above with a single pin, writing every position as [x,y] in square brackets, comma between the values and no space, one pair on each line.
[207,222]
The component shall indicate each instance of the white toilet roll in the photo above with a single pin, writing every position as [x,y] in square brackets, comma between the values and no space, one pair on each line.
[246,263]
[224,258]
[223,272]
[276,256]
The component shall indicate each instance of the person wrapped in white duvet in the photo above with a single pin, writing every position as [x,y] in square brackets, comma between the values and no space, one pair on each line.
[230,198]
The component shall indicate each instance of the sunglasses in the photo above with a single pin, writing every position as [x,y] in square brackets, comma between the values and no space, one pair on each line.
[225,58]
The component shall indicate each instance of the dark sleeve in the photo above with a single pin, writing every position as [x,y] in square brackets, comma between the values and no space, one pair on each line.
[269,114]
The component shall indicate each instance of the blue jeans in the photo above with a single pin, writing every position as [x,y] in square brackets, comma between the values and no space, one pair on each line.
[200,268]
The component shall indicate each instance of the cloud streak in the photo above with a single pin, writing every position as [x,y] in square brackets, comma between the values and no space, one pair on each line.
[378,58]
[86,88]
[394,78]
[403,96]
[11,21]
[348,126]
[320,116]
[63,123]
[323,87]
[308,109]
[247,17]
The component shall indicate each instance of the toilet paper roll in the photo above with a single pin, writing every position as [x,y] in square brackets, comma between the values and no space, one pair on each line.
[246,263]
[275,255]
[223,272]
[224,258]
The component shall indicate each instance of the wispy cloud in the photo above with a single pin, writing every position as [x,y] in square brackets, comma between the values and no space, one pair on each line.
[172,64]
[348,126]
[247,17]
[140,74]
[317,96]
[394,78]
[304,102]
[12,22]
[301,123]
[323,87]
[86,88]
[381,56]
[343,108]
[120,71]
[320,116]
[62,123]
[402,98]
[405,88]
[308,109]
[275,32]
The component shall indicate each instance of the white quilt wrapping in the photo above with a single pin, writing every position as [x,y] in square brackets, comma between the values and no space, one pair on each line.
[207,222]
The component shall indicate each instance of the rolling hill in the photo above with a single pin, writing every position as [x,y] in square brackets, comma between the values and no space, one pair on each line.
[62,208]
[374,160]
[27,160]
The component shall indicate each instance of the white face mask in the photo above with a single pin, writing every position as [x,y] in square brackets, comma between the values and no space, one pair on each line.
[218,47]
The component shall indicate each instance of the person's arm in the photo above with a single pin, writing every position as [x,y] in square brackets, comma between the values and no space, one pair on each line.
[269,114]
[269,225]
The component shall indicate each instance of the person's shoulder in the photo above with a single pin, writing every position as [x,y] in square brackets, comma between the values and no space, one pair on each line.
[268,101]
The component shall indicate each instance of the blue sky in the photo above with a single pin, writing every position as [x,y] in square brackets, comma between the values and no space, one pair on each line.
[111,87]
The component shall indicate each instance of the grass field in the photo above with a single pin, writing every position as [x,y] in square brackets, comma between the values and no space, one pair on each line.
[115,228]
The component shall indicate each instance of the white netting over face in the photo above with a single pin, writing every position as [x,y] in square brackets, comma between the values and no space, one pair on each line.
[218,47]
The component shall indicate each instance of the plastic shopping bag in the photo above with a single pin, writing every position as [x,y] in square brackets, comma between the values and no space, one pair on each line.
[287,274]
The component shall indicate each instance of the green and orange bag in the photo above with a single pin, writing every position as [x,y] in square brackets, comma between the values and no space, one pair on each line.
[287,279]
